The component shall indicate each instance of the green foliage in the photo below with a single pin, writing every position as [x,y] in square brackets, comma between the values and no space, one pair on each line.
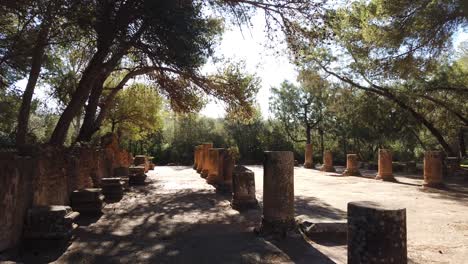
[135,113]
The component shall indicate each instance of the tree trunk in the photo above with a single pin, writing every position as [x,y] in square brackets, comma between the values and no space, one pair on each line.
[88,127]
[308,132]
[36,64]
[79,97]
[322,147]
[382,91]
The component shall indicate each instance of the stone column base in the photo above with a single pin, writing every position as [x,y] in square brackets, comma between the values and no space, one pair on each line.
[276,228]
[387,178]
[328,169]
[351,173]
[211,179]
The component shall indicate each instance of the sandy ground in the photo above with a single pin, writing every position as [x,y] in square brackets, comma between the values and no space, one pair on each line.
[437,220]
[178,218]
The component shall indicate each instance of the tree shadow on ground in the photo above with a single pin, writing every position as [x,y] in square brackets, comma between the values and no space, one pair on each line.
[317,209]
[189,226]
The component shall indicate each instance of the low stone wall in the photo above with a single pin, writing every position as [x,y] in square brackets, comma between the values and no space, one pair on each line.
[47,175]
[15,196]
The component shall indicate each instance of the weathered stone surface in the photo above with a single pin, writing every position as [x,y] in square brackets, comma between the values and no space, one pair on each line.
[376,233]
[433,176]
[243,197]
[320,228]
[137,175]
[225,186]
[87,201]
[196,154]
[328,162]
[206,159]
[52,165]
[112,188]
[278,193]
[215,172]
[141,160]
[308,162]
[201,158]
[385,172]
[16,175]
[50,222]
[136,170]
[352,165]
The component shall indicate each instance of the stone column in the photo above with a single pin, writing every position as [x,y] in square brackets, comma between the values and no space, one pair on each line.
[376,233]
[352,168]
[195,157]
[243,188]
[205,159]
[278,193]
[328,162]
[201,157]
[225,186]
[385,172]
[433,169]
[215,173]
[308,161]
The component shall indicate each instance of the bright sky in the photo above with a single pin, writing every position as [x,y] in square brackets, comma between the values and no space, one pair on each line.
[248,45]
[272,69]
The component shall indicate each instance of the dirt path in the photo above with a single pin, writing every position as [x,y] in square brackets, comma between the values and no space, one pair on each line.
[437,220]
[178,218]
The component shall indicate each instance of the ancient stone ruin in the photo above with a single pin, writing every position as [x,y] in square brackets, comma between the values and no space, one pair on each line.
[352,165]
[385,167]
[328,162]
[278,193]
[243,191]
[376,233]
[433,175]
[43,186]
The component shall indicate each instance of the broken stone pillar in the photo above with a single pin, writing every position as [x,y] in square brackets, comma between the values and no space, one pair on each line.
[215,174]
[328,162]
[87,201]
[206,159]
[376,233]
[352,166]
[243,189]
[141,160]
[433,169]
[50,222]
[122,173]
[385,172]
[137,175]
[308,162]
[278,193]
[112,188]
